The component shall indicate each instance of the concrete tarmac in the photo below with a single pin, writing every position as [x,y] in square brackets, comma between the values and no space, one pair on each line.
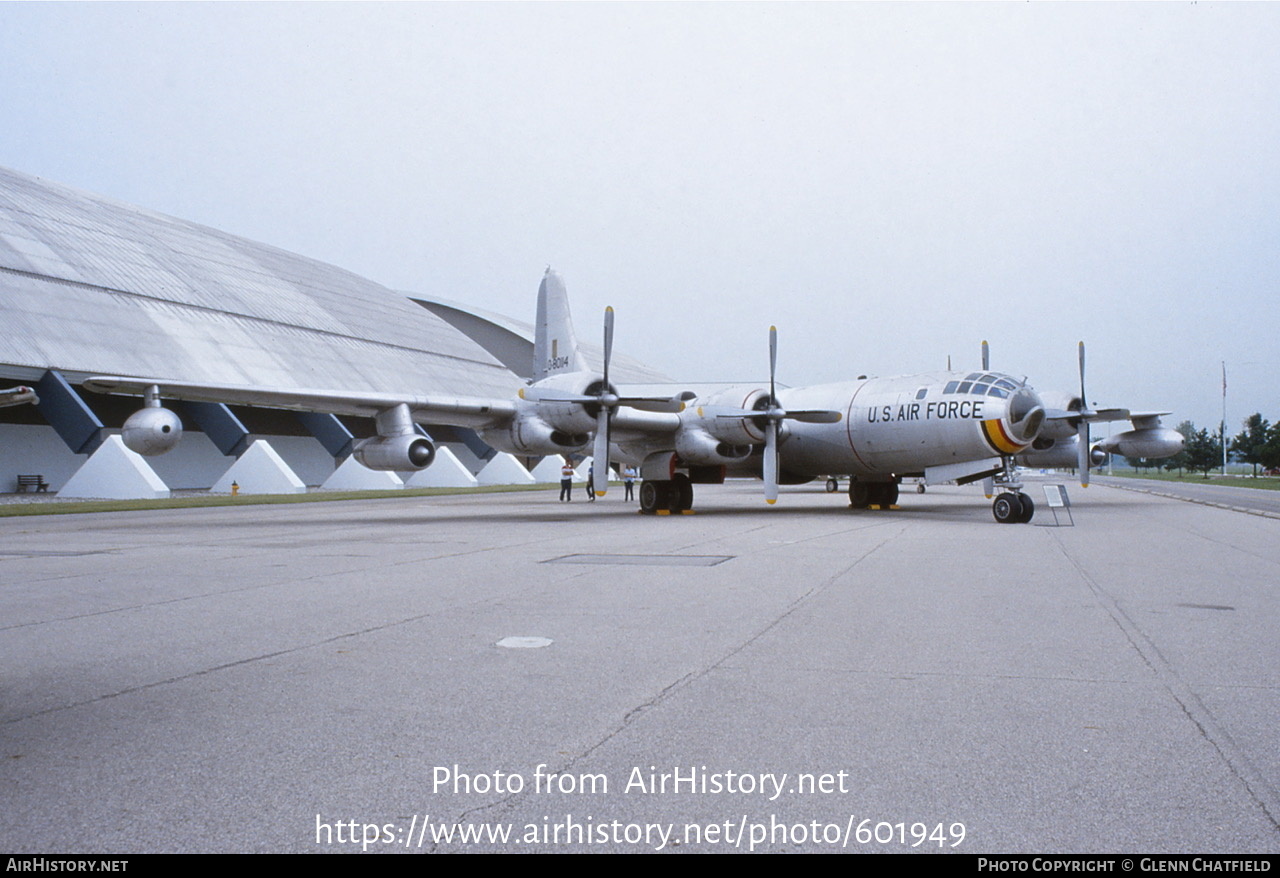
[1240,498]
[795,678]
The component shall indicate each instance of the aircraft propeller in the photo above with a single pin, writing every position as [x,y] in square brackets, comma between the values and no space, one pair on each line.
[1083,448]
[1082,429]
[774,414]
[608,402]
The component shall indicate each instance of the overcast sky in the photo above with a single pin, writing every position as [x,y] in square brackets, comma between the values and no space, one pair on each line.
[889,184]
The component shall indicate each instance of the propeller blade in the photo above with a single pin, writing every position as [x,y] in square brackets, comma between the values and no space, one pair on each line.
[1082,452]
[1084,400]
[600,454]
[773,363]
[771,462]
[1082,432]
[551,397]
[608,342]
[771,425]
[988,487]
[805,416]
[813,416]
[986,357]
[600,450]
[652,404]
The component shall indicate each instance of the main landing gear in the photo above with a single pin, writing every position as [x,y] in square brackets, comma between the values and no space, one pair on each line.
[866,494]
[666,497]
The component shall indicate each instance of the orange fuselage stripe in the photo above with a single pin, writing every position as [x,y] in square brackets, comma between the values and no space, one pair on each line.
[998,438]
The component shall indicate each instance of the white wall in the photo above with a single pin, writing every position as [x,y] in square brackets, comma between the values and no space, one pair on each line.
[195,464]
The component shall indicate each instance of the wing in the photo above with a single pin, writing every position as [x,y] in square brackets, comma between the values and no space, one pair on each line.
[457,411]
[1098,416]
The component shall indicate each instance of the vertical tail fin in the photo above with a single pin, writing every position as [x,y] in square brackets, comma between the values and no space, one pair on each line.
[555,348]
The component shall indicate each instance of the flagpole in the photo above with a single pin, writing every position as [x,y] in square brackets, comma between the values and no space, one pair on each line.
[1223,428]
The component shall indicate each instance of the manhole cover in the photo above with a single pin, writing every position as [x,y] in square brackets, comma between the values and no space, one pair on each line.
[644,560]
[524,642]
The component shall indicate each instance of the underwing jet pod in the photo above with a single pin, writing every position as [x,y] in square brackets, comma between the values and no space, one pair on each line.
[18,396]
[558,412]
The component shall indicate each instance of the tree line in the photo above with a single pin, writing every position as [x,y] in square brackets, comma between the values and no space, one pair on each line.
[1257,444]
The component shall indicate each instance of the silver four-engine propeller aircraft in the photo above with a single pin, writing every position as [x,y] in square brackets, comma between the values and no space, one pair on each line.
[940,426]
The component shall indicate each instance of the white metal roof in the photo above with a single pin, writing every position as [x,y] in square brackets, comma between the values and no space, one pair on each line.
[89,285]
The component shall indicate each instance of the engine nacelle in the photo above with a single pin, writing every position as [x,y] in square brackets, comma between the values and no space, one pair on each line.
[1155,442]
[395,453]
[705,415]
[1060,429]
[531,435]
[697,447]
[1046,453]
[568,418]
[151,431]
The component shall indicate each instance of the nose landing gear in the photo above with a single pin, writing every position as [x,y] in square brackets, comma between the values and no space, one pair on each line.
[1011,506]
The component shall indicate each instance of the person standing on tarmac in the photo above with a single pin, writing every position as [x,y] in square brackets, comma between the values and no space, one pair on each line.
[591,479]
[566,482]
[629,481]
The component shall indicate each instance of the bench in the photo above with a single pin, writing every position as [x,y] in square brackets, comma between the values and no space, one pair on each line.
[34,481]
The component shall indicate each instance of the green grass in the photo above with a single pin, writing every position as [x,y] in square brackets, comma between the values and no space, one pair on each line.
[69,507]
[1265,483]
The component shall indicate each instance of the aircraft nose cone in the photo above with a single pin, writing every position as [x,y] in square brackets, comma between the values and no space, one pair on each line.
[1025,414]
